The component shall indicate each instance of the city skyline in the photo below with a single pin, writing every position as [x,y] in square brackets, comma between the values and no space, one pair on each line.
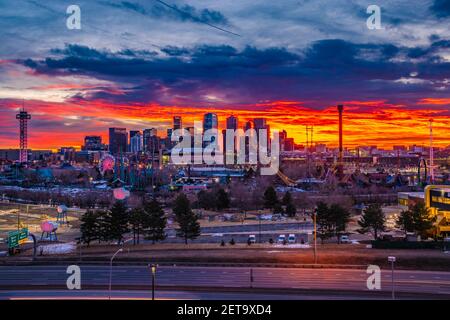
[253,60]
[357,126]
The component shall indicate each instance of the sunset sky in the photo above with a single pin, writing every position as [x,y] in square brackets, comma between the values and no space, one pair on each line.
[136,64]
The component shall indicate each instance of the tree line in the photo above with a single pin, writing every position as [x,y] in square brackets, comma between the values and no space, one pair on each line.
[147,220]
[279,206]
[415,220]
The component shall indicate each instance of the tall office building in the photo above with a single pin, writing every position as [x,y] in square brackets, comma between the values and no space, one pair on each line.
[231,124]
[93,143]
[118,140]
[151,140]
[259,124]
[177,123]
[210,121]
[248,126]
[135,141]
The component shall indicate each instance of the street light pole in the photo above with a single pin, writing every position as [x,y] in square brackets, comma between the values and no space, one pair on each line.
[153,266]
[259,228]
[315,237]
[392,261]
[110,270]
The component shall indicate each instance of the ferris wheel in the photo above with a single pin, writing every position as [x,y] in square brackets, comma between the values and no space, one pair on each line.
[107,163]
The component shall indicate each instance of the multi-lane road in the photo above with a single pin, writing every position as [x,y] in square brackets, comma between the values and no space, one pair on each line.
[216,282]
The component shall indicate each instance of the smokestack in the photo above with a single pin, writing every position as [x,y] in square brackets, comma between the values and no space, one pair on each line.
[341,150]
[431,153]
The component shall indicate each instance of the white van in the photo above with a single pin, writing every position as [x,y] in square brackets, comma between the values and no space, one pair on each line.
[252,238]
[345,239]
[292,238]
[281,238]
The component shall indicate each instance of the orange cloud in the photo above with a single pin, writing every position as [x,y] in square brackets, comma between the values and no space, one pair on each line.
[365,123]
[435,101]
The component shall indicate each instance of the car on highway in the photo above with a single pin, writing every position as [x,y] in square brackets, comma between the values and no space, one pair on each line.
[345,239]
[281,238]
[292,238]
[252,238]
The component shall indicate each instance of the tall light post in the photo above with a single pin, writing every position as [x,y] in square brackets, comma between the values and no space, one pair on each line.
[392,260]
[153,268]
[110,270]
[259,216]
[315,236]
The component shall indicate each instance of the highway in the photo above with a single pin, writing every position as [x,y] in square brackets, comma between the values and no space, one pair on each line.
[166,295]
[290,281]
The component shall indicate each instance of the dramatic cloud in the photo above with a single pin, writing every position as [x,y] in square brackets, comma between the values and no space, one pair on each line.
[441,8]
[163,9]
[324,72]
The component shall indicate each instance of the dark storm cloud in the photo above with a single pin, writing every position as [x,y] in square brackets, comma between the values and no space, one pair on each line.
[441,8]
[433,49]
[181,13]
[327,69]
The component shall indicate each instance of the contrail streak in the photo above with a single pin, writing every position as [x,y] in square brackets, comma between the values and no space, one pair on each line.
[196,19]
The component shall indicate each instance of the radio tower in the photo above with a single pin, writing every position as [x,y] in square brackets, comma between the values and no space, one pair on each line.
[23,118]
[309,137]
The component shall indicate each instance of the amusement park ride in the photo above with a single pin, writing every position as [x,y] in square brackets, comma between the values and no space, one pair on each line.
[345,174]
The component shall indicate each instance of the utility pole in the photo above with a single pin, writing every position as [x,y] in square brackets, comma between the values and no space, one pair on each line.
[392,260]
[259,216]
[341,148]
[153,269]
[110,270]
[315,236]
[431,153]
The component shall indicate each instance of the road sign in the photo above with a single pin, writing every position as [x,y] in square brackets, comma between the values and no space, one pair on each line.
[391,259]
[16,238]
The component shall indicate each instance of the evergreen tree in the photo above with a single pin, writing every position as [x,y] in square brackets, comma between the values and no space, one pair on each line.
[102,225]
[89,227]
[206,200]
[154,221]
[222,199]
[422,221]
[278,209]
[340,218]
[189,228]
[372,220]
[116,222]
[405,222]
[287,198]
[290,210]
[324,225]
[136,219]
[270,198]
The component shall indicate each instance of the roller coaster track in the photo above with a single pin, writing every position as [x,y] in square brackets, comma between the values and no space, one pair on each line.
[287,181]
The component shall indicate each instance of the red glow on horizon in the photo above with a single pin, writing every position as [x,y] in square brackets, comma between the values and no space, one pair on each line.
[365,122]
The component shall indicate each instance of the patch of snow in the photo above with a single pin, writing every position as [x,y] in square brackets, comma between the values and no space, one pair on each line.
[296,245]
[59,248]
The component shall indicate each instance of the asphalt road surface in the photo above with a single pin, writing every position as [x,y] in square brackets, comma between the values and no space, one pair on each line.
[166,295]
[240,232]
[288,281]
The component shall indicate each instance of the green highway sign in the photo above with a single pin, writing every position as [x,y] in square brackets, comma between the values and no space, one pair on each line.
[16,238]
